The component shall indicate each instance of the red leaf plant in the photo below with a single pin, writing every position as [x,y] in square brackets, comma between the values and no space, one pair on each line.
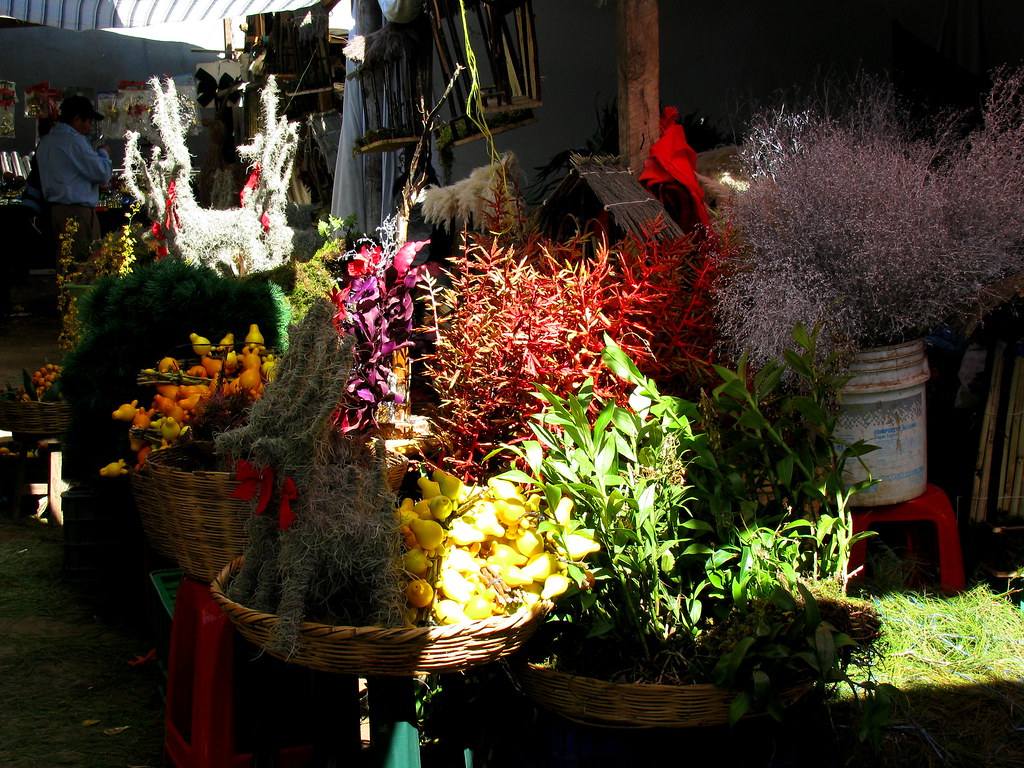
[522,312]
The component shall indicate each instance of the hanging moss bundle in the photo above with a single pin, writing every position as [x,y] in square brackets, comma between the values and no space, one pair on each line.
[337,561]
[132,321]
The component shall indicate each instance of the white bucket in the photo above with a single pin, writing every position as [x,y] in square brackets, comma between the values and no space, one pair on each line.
[884,405]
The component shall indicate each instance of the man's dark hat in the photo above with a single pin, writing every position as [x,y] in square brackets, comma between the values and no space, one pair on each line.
[78,106]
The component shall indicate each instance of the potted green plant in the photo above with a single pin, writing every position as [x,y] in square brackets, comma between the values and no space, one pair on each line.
[720,523]
[880,228]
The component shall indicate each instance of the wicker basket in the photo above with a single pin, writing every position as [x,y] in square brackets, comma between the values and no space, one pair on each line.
[189,516]
[35,418]
[151,507]
[192,512]
[367,651]
[589,701]
[396,466]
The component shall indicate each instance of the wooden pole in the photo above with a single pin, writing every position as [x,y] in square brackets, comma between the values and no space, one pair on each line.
[639,70]
[368,18]
[1016,505]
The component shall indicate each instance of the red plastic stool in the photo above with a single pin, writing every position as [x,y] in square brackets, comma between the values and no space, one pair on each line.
[206,688]
[931,506]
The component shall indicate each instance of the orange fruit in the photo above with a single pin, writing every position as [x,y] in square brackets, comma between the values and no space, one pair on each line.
[250,379]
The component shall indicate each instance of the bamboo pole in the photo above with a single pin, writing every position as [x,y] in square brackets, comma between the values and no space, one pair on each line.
[1016,505]
[983,465]
[1011,429]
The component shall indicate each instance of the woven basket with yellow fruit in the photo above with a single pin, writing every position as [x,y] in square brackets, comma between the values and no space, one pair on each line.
[481,565]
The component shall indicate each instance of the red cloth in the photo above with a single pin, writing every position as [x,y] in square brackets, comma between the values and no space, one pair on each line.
[670,174]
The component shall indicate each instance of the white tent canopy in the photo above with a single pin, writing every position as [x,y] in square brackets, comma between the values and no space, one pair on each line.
[108,14]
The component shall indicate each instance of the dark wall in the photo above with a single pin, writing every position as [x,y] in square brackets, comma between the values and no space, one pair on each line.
[721,57]
[718,58]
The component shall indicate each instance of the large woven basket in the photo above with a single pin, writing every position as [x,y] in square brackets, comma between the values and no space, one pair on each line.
[367,651]
[395,467]
[35,418]
[590,701]
[190,517]
[153,513]
[191,513]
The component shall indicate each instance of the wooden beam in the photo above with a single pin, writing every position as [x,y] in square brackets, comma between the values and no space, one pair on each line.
[368,18]
[639,69]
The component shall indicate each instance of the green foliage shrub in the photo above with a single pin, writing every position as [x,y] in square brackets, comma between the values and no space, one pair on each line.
[132,321]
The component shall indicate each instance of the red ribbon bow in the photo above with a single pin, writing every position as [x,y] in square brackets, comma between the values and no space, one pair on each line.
[258,484]
[248,188]
[250,184]
[169,223]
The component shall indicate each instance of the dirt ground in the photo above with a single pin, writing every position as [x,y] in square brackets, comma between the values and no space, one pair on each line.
[71,693]
[73,690]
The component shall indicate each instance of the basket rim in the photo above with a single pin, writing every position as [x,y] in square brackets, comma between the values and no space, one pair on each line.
[35,417]
[667,696]
[674,688]
[6,401]
[382,651]
[218,589]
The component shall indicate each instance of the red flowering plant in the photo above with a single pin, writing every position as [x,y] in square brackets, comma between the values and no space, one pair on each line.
[374,302]
[527,311]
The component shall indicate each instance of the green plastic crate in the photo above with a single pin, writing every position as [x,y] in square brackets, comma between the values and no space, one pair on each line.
[164,591]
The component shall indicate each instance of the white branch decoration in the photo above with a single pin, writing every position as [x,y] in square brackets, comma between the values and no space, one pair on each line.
[253,237]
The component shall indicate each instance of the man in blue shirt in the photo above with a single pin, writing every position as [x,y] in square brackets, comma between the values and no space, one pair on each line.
[71,172]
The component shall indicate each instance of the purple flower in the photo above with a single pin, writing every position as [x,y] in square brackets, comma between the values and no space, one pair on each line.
[375,304]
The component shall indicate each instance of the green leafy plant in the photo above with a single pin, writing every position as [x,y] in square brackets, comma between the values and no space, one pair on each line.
[713,519]
[773,454]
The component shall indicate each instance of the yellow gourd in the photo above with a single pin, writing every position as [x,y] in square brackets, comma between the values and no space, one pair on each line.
[429,533]
[254,336]
[419,593]
[226,344]
[114,469]
[126,412]
[200,344]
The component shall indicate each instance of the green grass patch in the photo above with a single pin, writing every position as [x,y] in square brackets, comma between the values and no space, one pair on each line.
[959,665]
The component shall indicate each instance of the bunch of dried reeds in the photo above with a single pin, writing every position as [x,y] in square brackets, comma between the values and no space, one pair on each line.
[879,226]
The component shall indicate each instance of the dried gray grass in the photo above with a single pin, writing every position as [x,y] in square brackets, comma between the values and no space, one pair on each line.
[879,228]
[338,562]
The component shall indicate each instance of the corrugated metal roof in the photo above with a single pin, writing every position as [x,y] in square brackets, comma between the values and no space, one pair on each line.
[107,14]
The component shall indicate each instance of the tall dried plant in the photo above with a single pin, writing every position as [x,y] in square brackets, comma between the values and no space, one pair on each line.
[528,311]
[338,561]
[878,227]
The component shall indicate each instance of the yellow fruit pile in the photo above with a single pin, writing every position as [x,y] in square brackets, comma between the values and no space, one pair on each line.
[184,385]
[476,552]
